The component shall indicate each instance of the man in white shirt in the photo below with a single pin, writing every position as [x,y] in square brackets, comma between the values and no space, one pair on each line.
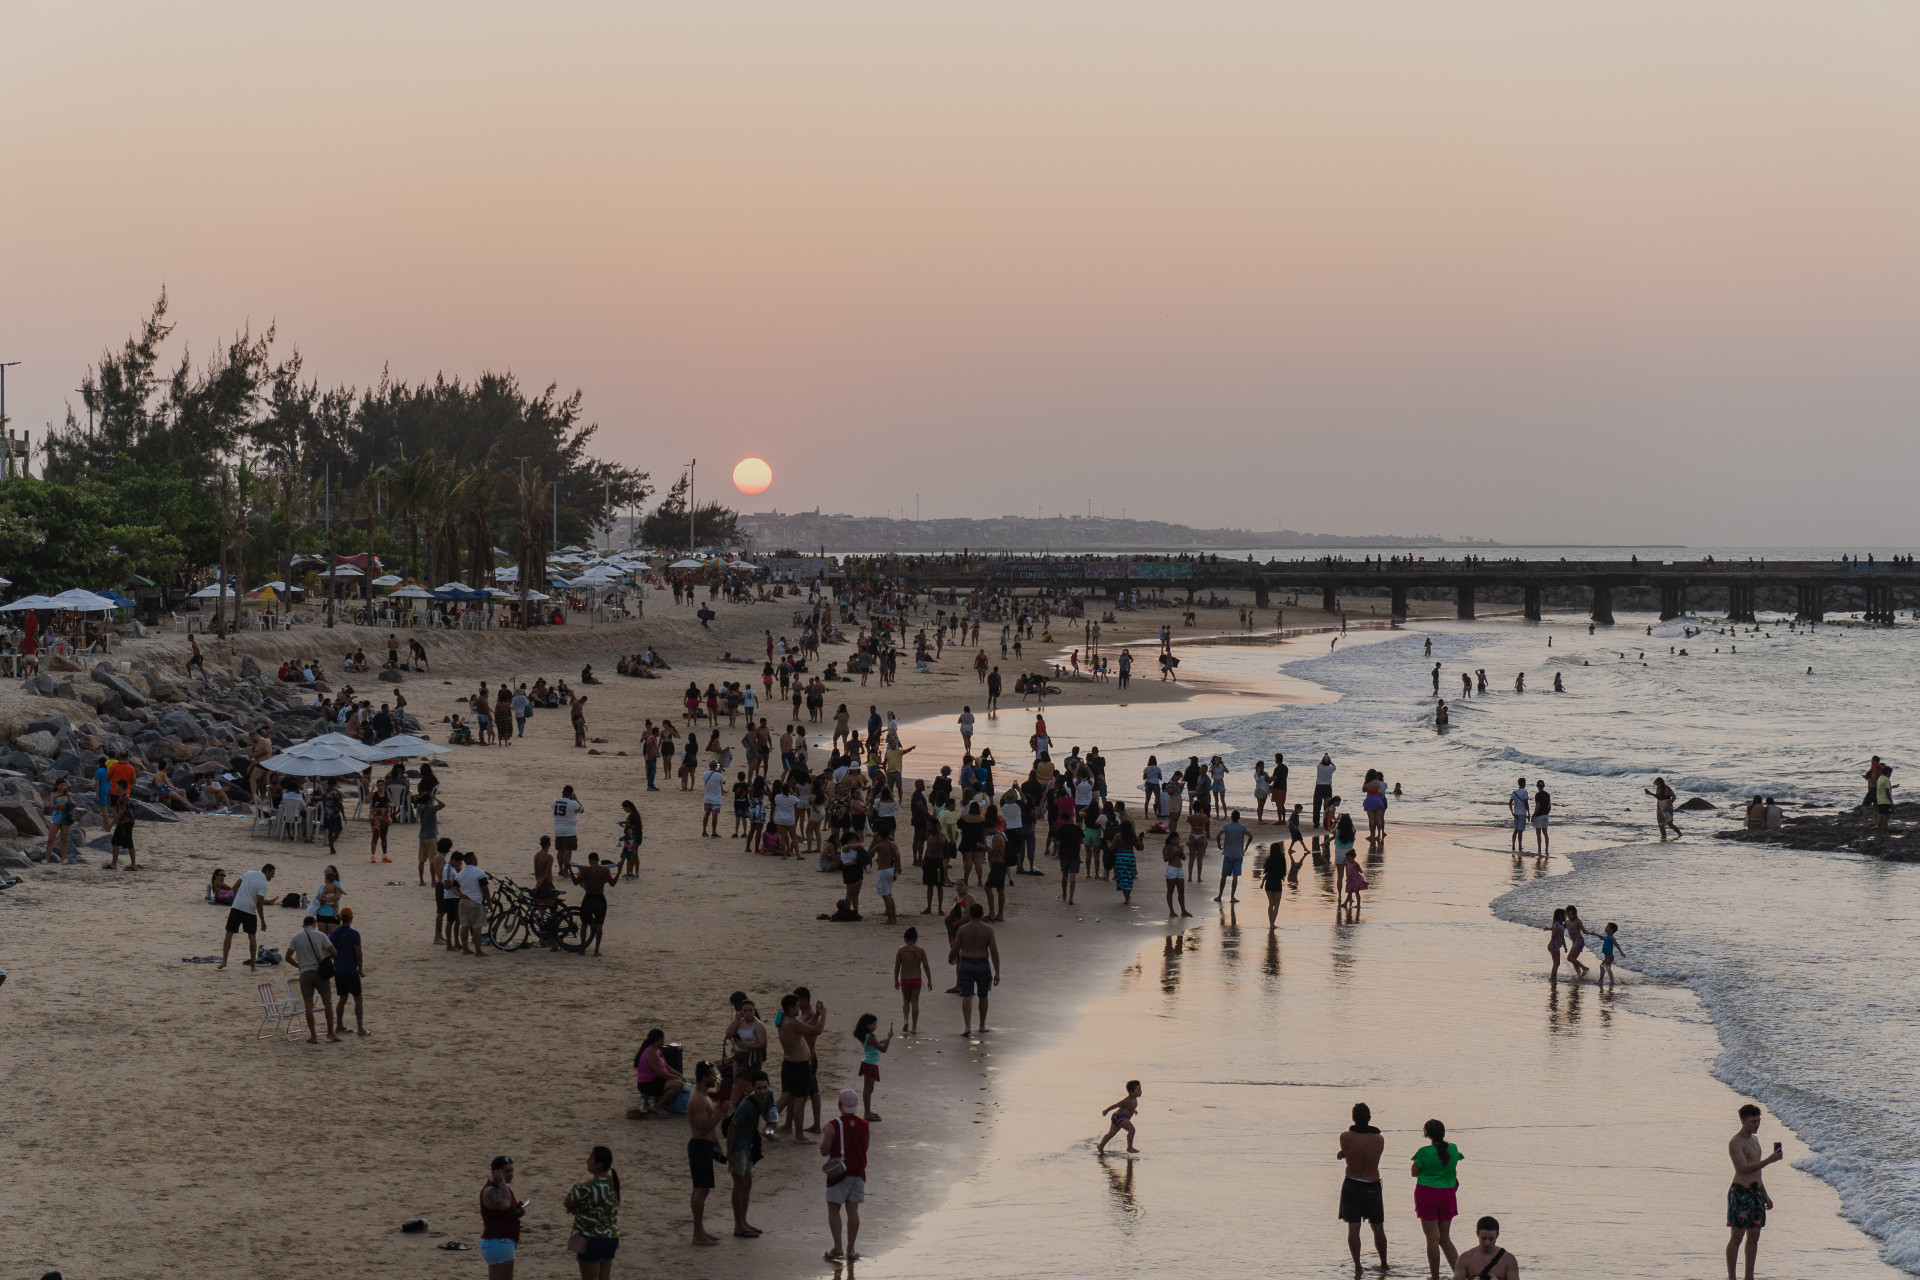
[474,895]
[566,827]
[1322,785]
[714,785]
[248,912]
[1518,801]
[310,950]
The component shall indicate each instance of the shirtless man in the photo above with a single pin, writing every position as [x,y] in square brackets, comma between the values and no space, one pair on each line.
[886,864]
[799,1073]
[1747,1198]
[1360,1200]
[703,1114]
[977,953]
[1486,1260]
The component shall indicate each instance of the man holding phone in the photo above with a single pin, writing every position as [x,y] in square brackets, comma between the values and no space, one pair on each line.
[1747,1198]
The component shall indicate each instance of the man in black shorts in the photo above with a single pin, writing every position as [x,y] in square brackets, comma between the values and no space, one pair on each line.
[800,1069]
[703,1113]
[248,912]
[1360,1201]
[976,954]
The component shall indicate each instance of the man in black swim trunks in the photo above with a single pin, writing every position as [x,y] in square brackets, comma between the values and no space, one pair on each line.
[703,1113]
[1360,1201]
[799,1072]
[977,953]
[1486,1260]
[1747,1198]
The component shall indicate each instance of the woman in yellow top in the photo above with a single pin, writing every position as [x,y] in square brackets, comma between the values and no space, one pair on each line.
[1436,1170]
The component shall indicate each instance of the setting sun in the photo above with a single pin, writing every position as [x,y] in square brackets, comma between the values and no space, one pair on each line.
[751,475]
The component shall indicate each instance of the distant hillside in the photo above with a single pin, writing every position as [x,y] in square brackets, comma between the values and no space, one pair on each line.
[805,530]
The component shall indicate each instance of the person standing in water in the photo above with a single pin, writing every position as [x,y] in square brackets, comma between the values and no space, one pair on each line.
[1663,798]
[1486,1260]
[1576,939]
[1542,806]
[1521,805]
[1747,1198]
[1233,839]
[1360,1201]
[1123,1113]
[1436,1172]
[1556,941]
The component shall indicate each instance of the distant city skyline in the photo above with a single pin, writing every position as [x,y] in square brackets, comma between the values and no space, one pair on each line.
[1543,274]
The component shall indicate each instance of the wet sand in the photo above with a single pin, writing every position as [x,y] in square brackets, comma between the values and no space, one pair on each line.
[1588,1119]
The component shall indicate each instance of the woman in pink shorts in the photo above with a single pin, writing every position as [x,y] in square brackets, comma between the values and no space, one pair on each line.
[1436,1170]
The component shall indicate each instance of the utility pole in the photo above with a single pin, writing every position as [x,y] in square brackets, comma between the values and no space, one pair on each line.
[4,366]
[333,548]
[690,543]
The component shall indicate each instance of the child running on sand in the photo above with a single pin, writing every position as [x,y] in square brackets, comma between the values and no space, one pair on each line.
[1123,1113]
[1609,944]
[871,1047]
[1293,830]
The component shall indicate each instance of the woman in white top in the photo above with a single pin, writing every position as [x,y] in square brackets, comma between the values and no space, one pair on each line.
[1262,788]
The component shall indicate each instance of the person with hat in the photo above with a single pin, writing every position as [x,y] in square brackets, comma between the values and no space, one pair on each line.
[500,1214]
[845,1145]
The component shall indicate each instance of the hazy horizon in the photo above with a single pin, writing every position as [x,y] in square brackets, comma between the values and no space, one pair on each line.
[1636,274]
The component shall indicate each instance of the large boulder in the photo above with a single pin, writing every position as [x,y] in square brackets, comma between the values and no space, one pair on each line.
[166,691]
[40,685]
[55,662]
[391,676]
[56,723]
[120,685]
[25,817]
[249,668]
[37,743]
[150,812]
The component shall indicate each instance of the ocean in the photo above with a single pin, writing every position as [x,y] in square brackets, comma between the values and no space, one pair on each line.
[1804,961]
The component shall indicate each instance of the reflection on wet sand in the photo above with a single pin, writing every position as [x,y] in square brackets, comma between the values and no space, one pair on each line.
[1596,1138]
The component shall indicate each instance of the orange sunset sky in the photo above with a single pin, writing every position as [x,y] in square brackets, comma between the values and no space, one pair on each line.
[1511,268]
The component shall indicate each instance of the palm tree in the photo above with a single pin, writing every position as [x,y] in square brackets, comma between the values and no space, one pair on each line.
[479,490]
[224,492]
[370,508]
[244,479]
[530,497]
[410,491]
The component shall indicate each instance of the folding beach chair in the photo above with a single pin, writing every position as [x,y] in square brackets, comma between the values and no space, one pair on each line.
[273,1012]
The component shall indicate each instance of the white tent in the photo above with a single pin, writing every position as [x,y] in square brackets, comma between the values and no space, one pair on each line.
[216,591]
[689,564]
[28,602]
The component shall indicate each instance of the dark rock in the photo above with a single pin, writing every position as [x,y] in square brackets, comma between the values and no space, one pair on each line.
[65,690]
[119,686]
[1697,803]
[248,667]
[37,743]
[25,818]
[152,812]
[40,685]
[390,676]
[56,723]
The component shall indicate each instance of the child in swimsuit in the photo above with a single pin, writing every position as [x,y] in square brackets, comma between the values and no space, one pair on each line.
[1609,944]
[1123,1113]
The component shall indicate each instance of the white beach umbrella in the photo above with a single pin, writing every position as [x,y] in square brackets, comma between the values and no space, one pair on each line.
[412,591]
[342,571]
[337,744]
[406,744]
[85,601]
[461,587]
[28,602]
[387,580]
[312,766]
[689,564]
[218,591]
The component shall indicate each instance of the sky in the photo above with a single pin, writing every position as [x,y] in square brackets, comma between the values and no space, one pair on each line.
[1644,271]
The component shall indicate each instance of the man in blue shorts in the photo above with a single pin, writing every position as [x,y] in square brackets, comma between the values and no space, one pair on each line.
[976,953]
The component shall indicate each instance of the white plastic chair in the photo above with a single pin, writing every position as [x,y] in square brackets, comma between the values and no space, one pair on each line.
[274,1012]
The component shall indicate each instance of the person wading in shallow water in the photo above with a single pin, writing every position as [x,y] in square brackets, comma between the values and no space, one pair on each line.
[1360,1200]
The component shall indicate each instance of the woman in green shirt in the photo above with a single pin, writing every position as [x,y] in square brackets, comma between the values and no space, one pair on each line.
[1436,1170]
[595,1206]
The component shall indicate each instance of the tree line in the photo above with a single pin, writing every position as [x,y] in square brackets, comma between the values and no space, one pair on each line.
[243,462]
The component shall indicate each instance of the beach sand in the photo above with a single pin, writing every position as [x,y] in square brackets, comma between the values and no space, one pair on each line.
[152,1136]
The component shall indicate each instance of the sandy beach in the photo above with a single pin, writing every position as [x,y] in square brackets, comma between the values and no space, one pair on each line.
[140,1099]
[192,1149]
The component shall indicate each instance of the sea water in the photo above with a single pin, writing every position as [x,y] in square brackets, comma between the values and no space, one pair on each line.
[1805,961]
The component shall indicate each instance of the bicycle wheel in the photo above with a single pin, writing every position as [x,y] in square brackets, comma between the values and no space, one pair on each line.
[567,930]
[517,933]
